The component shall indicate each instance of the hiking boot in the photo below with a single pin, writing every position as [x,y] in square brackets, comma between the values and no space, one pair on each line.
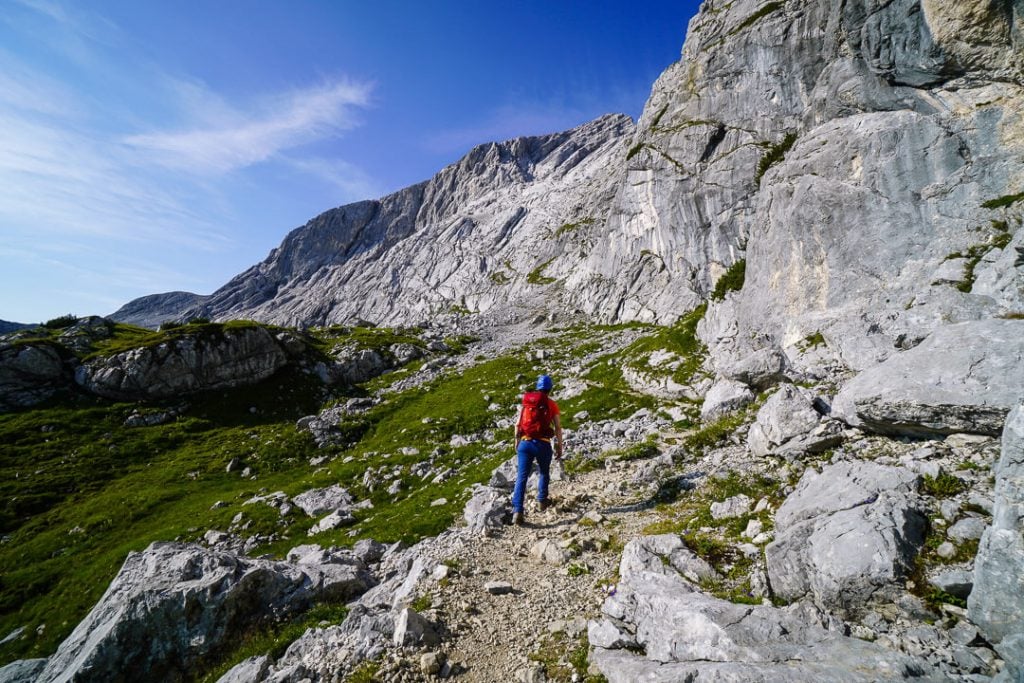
[544,504]
[518,518]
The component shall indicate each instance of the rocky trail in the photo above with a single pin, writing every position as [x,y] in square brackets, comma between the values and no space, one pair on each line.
[516,605]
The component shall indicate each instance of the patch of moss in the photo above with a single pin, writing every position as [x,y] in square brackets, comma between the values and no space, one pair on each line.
[731,280]
[499,277]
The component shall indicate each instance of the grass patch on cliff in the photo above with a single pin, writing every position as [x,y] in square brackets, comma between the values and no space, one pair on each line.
[537,277]
[1003,202]
[761,13]
[775,154]
[731,280]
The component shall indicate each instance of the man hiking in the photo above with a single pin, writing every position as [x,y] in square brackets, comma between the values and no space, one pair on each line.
[538,422]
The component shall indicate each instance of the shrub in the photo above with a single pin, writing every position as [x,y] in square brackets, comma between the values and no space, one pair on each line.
[61,322]
[774,155]
[944,485]
[1003,202]
[731,281]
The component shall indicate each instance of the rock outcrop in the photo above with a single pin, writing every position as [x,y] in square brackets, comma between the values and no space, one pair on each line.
[30,373]
[996,602]
[846,536]
[172,605]
[194,361]
[962,378]
[685,634]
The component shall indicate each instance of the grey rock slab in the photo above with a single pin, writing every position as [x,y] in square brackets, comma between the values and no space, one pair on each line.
[548,551]
[759,369]
[846,536]
[841,486]
[731,507]
[29,374]
[996,604]
[413,630]
[498,587]
[22,671]
[725,397]
[316,502]
[962,378]
[190,600]
[247,671]
[968,528]
[956,582]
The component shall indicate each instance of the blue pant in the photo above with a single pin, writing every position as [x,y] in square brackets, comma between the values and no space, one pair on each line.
[528,452]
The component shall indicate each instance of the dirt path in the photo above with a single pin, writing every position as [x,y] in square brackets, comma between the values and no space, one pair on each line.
[542,620]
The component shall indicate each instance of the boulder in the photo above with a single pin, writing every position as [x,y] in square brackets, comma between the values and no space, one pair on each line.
[548,551]
[29,374]
[996,603]
[962,378]
[846,536]
[683,634]
[731,507]
[190,601]
[85,332]
[486,509]
[759,369]
[413,630]
[956,582]
[336,574]
[724,397]
[355,365]
[788,424]
[316,502]
[248,670]
[210,357]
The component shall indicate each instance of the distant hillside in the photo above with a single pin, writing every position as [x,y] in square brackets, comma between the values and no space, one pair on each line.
[7,326]
[150,311]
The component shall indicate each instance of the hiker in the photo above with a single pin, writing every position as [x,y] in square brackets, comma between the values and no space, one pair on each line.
[538,422]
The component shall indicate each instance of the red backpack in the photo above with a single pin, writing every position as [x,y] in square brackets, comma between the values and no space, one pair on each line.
[535,422]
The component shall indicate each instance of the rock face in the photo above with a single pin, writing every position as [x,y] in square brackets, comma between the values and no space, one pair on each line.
[170,606]
[30,373]
[962,378]
[686,635]
[996,603]
[846,536]
[500,226]
[213,359]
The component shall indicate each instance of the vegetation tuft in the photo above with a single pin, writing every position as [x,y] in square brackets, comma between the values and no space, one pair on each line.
[774,155]
[1003,202]
[537,277]
[731,281]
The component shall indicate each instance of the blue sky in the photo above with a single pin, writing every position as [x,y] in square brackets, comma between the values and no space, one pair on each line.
[157,146]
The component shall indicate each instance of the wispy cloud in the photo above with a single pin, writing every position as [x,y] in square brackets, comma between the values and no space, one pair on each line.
[96,191]
[282,122]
